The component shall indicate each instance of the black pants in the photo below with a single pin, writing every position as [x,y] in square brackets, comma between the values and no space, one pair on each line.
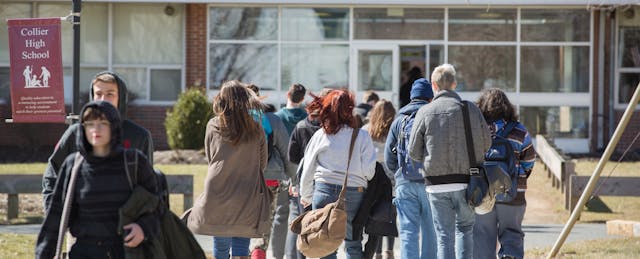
[97,250]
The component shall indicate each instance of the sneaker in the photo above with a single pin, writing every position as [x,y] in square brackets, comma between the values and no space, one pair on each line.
[508,257]
[258,254]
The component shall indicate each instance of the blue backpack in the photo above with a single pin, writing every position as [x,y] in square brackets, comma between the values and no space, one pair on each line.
[410,168]
[501,153]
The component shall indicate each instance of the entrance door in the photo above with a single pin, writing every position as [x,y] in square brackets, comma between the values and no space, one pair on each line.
[375,67]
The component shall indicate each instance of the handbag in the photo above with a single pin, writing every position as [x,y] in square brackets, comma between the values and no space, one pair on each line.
[486,180]
[68,200]
[321,231]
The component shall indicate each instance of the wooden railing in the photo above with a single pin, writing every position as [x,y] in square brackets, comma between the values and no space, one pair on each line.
[559,168]
[16,184]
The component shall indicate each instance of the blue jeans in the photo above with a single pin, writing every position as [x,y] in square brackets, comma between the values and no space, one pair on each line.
[503,223]
[323,194]
[453,219]
[414,217]
[239,246]
[291,251]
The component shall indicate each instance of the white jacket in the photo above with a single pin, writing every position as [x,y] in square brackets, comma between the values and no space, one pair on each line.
[326,156]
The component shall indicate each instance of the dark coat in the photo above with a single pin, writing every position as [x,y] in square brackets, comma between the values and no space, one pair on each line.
[378,195]
[174,239]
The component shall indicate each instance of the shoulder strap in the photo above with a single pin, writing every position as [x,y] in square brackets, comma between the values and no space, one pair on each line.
[68,201]
[468,134]
[133,180]
[341,198]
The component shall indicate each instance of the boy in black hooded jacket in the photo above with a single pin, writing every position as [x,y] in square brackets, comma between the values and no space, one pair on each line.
[106,86]
[102,187]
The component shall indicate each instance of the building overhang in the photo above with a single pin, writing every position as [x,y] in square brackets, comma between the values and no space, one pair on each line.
[395,2]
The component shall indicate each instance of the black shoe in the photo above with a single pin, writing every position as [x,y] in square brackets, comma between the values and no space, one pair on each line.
[508,257]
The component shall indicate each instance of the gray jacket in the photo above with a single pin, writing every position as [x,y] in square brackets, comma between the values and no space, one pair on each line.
[278,166]
[438,139]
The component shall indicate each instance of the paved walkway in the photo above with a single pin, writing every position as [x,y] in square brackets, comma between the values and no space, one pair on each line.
[536,235]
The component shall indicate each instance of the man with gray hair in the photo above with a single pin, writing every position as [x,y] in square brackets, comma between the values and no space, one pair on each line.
[438,140]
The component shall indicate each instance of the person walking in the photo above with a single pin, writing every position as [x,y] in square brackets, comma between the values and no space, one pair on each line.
[325,162]
[235,204]
[411,198]
[293,112]
[102,186]
[380,120]
[504,222]
[437,140]
[105,86]
[277,174]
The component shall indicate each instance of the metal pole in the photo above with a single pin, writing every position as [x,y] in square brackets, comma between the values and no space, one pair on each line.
[77,6]
[596,173]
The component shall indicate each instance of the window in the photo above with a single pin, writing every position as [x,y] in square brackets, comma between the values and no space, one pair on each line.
[556,122]
[250,63]
[315,24]
[399,23]
[243,23]
[480,67]
[8,11]
[482,24]
[555,24]
[315,66]
[554,69]
[628,66]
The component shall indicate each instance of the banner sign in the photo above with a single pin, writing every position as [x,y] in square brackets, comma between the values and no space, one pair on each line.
[37,88]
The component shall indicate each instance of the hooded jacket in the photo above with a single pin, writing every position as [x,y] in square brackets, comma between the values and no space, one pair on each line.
[438,139]
[390,157]
[278,166]
[291,116]
[133,136]
[101,188]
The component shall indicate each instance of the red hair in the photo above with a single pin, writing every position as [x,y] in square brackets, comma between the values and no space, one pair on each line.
[336,110]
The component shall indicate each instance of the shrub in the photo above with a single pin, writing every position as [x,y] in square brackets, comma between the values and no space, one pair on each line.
[186,122]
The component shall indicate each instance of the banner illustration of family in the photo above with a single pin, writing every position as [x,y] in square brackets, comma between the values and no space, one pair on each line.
[34,81]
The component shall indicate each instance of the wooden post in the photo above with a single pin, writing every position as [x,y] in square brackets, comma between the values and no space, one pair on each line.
[13,206]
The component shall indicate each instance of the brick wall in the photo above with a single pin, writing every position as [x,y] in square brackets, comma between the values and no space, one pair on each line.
[196,39]
[151,118]
[629,133]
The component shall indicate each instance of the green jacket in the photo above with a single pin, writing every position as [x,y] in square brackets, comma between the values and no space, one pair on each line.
[174,239]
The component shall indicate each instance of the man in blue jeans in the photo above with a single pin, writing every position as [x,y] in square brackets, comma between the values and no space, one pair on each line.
[414,211]
[438,140]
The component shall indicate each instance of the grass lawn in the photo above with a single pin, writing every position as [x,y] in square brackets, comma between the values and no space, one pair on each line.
[594,249]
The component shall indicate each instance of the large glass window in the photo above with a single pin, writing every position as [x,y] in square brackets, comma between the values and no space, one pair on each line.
[375,69]
[399,23]
[555,24]
[482,24]
[480,67]
[243,23]
[315,24]
[251,63]
[315,66]
[554,69]
[557,122]
[628,54]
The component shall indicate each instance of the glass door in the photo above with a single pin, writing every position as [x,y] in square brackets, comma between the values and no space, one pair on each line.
[375,67]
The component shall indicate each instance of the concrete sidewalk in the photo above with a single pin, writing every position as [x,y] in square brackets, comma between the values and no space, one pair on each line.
[536,235]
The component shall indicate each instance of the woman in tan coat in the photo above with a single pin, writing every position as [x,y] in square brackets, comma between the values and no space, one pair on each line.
[235,204]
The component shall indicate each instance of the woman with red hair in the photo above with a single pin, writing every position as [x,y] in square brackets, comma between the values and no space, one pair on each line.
[326,157]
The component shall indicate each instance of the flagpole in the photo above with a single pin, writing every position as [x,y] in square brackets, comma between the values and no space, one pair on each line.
[77,6]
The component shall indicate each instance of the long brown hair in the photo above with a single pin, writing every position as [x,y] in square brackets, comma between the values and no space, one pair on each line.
[233,107]
[336,109]
[495,105]
[380,120]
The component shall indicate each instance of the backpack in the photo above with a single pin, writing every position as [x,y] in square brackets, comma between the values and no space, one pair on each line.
[501,153]
[410,168]
[161,179]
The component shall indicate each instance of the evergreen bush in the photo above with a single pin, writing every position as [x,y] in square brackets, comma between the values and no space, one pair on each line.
[186,122]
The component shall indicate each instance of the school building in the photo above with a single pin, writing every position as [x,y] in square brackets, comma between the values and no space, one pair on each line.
[570,66]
